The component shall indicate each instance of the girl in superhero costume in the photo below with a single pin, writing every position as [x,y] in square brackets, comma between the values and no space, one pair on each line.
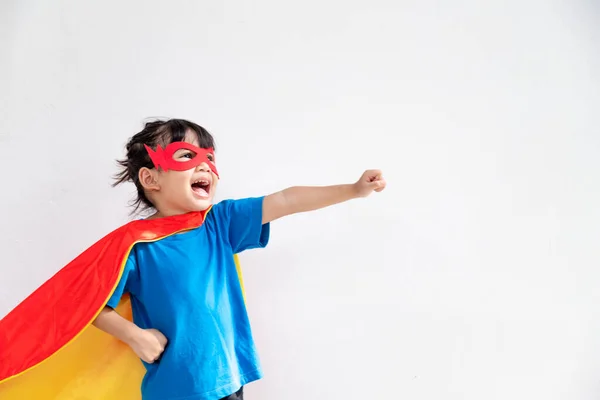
[167,289]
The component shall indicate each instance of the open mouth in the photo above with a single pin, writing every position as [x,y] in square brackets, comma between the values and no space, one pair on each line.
[201,188]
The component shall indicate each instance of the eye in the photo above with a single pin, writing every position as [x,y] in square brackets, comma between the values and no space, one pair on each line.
[184,155]
[210,157]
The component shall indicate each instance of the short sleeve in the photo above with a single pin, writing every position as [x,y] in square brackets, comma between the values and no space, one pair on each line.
[125,284]
[245,228]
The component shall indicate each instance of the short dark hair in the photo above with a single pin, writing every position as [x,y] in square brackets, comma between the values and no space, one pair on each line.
[157,132]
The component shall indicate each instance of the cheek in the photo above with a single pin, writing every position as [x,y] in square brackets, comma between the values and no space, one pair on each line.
[177,181]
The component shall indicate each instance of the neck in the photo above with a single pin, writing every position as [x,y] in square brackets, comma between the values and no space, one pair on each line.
[169,213]
[158,215]
[164,213]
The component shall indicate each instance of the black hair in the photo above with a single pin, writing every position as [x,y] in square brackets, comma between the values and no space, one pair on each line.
[158,132]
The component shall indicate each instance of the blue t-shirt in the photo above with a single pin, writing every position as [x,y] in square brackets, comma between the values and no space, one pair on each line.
[187,287]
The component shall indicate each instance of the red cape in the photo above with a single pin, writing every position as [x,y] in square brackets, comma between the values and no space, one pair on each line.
[46,348]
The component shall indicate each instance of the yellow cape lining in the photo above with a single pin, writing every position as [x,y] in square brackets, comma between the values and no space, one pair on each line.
[92,366]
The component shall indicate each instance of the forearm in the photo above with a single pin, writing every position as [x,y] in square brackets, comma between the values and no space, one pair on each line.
[112,323]
[299,199]
[309,198]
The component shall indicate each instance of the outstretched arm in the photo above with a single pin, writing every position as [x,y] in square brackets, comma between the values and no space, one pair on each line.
[308,198]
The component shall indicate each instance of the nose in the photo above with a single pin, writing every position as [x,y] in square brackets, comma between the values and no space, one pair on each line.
[203,167]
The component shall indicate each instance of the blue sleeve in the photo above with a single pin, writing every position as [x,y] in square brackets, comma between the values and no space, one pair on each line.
[243,221]
[126,283]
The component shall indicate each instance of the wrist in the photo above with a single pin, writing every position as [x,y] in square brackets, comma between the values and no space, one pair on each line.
[131,333]
[354,190]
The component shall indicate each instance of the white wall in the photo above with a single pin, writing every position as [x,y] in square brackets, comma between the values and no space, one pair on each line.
[474,276]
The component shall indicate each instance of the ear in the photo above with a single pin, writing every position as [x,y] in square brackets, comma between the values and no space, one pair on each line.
[149,179]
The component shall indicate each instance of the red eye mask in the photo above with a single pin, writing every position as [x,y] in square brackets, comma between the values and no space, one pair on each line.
[163,158]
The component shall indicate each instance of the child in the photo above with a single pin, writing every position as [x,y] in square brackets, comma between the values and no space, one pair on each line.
[191,329]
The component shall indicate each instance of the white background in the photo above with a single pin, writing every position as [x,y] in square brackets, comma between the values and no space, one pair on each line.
[474,276]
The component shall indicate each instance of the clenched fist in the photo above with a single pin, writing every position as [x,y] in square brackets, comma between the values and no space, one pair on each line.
[148,344]
[370,181]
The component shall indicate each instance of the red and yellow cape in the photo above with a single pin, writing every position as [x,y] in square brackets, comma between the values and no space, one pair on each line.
[48,350]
